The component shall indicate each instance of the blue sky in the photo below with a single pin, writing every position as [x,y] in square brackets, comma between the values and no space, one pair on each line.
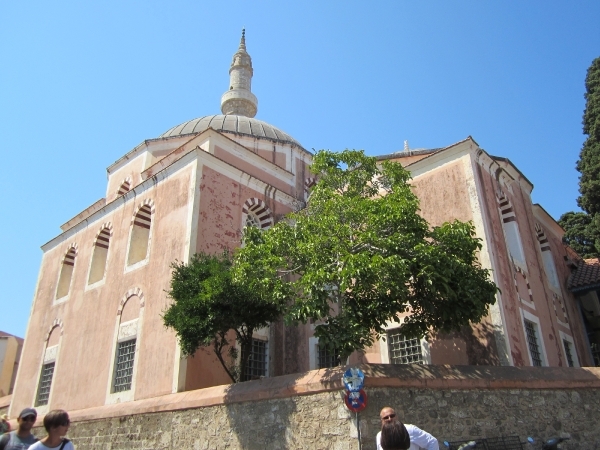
[82,83]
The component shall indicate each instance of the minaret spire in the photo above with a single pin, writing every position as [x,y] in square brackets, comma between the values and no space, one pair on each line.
[239,100]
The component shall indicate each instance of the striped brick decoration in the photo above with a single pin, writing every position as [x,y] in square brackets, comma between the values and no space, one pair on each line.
[308,183]
[541,237]
[103,236]
[557,299]
[69,258]
[125,187]
[518,270]
[506,209]
[143,217]
[130,293]
[260,210]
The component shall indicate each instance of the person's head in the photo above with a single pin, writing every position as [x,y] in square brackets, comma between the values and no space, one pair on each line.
[55,419]
[26,419]
[394,436]
[387,415]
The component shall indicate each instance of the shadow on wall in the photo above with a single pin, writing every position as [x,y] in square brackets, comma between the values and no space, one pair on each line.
[274,423]
[479,345]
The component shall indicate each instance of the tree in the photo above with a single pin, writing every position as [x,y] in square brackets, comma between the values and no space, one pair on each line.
[589,158]
[582,230]
[358,255]
[208,305]
[580,233]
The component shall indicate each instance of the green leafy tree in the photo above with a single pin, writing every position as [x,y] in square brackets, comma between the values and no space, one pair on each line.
[359,254]
[208,306]
[582,230]
[580,233]
[589,158]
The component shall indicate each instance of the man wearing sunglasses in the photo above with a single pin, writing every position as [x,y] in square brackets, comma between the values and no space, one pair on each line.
[418,438]
[21,438]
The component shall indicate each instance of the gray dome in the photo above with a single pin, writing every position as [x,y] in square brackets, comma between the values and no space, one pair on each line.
[239,125]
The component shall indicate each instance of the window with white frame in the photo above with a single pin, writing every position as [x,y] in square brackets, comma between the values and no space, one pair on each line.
[121,384]
[124,360]
[550,269]
[513,241]
[531,332]
[511,231]
[252,220]
[43,394]
[569,350]
[568,353]
[402,350]
[256,213]
[547,259]
[257,363]
[327,357]
[66,273]
[140,235]
[99,256]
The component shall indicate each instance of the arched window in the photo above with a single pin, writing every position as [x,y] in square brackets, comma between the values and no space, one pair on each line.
[48,364]
[511,231]
[140,234]
[66,272]
[547,258]
[99,257]
[129,319]
[125,186]
[256,214]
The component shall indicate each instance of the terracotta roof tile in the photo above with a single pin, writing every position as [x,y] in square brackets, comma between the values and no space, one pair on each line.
[586,276]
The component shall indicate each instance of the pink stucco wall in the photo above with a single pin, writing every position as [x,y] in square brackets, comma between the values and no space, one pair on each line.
[88,317]
[534,277]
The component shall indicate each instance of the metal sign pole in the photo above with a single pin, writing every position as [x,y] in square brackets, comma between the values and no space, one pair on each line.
[358,429]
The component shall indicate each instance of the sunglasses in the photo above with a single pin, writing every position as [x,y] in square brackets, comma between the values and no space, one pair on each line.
[65,424]
[388,417]
[28,419]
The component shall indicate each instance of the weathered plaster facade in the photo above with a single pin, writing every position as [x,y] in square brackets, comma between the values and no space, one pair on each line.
[464,182]
[102,280]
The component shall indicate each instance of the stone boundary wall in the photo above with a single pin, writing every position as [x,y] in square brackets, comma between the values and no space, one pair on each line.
[305,411]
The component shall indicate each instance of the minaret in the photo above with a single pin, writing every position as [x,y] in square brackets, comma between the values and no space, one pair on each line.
[239,100]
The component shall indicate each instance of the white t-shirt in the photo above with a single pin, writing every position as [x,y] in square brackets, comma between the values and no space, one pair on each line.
[418,439]
[39,446]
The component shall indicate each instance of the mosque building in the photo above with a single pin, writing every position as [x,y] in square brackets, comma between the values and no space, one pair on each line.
[96,336]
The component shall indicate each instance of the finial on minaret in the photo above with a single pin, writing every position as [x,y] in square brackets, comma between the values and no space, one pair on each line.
[243,40]
[239,100]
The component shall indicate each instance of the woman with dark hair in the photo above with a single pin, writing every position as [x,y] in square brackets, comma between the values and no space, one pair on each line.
[56,423]
[394,436]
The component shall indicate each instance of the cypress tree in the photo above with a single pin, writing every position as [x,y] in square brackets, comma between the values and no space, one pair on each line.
[582,229]
[589,158]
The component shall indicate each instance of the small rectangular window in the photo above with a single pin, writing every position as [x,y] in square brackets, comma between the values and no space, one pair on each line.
[256,366]
[532,342]
[45,383]
[328,357]
[124,365]
[568,352]
[402,350]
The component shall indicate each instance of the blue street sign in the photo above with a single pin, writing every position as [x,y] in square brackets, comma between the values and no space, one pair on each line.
[354,379]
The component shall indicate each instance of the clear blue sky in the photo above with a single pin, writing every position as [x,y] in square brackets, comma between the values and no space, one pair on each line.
[82,83]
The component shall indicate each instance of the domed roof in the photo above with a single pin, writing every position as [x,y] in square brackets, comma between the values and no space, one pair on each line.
[238,125]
